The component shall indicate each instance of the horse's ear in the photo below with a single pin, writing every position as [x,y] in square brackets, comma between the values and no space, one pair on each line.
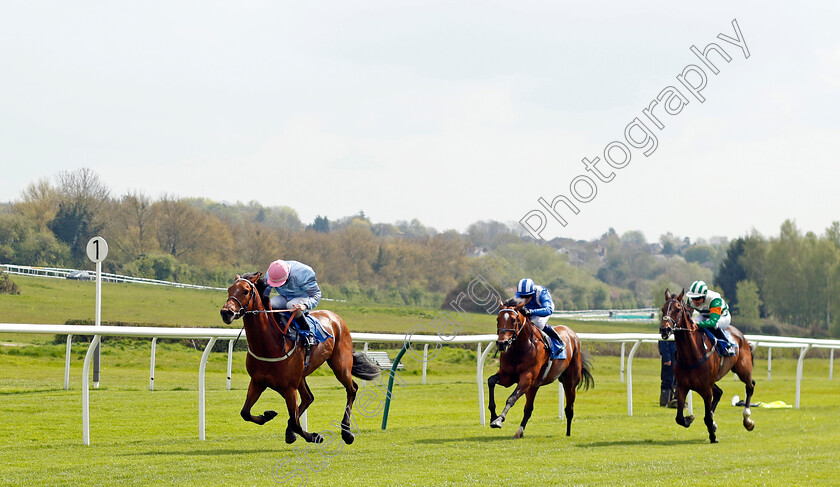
[238,277]
[682,294]
[667,294]
[501,304]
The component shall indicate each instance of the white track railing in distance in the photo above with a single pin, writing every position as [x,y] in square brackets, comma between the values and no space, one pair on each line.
[213,334]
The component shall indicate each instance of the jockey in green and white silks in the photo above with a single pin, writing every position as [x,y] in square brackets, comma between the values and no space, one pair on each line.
[714,313]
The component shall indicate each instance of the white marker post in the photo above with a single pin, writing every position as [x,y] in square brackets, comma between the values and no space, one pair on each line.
[97,250]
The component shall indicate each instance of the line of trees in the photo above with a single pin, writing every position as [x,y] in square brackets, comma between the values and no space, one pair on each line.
[793,277]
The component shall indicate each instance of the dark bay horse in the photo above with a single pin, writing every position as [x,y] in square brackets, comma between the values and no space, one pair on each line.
[525,362]
[698,365]
[275,361]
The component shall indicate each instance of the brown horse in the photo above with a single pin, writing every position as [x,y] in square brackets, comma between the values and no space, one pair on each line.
[525,362]
[698,365]
[276,361]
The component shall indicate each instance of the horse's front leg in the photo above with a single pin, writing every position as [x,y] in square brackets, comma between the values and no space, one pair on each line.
[709,417]
[529,408]
[522,386]
[294,427]
[254,392]
[491,383]
[682,392]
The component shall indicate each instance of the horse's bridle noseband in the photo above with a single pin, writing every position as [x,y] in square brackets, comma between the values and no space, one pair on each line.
[516,321]
[243,309]
[673,323]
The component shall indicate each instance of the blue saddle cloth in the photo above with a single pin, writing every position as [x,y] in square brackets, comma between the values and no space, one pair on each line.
[720,344]
[557,349]
[316,329]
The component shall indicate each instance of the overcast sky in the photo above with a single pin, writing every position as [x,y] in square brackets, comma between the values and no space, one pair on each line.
[449,112]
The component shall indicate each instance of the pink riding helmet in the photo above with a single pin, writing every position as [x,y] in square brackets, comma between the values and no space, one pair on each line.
[278,273]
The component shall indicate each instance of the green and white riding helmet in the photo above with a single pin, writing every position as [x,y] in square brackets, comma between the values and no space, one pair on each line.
[698,289]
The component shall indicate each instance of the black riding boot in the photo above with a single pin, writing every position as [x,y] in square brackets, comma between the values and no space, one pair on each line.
[664,397]
[309,340]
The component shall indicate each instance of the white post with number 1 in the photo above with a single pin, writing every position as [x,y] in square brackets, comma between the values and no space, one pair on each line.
[97,250]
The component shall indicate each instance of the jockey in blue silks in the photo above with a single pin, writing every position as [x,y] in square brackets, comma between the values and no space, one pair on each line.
[539,306]
[296,288]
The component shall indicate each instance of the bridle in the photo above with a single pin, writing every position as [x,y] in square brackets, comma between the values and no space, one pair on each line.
[515,330]
[673,324]
[243,310]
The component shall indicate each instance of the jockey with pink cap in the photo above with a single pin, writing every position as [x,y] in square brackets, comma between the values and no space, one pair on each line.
[296,288]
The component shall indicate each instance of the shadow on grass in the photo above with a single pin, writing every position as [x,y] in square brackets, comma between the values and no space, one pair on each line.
[650,442]
[219,451]
[481,439]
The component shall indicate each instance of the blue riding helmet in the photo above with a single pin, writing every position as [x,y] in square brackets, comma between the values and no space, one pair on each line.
[525,288]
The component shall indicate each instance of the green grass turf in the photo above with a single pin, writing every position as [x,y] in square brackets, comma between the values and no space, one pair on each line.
[140,437]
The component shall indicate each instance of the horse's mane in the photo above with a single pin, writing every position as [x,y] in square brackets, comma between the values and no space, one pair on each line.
[261,287]
[511,302]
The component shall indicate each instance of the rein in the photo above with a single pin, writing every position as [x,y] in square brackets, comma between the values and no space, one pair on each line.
[243,311]
[675,327]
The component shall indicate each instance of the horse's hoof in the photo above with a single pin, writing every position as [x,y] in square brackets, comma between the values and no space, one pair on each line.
[316,438]
[713,439]
[496,423]
[290,437]
[749,424]
[348,437]
[269,415]
[519,433]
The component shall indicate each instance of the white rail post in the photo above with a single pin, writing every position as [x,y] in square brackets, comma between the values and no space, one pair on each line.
[230,362]
[769,362]
[799,367]
[67,362]
[621,373]
[831,365]
[86,390]
[364,350]
[426,359]
[480,380]
[561,400]
[201,369]
[152,365]
[630,377]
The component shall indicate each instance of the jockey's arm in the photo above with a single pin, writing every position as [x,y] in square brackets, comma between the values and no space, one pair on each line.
[313,292]
[715,309]
[547,305]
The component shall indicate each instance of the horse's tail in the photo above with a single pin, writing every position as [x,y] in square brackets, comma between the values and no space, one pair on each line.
[364,367]
[587,381]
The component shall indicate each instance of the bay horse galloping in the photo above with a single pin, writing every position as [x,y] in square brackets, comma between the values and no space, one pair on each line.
[525,362]
[276,361]
[698,365]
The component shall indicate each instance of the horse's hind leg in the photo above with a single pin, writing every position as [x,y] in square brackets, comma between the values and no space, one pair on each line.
[570,391]
[745,374]
[254,392]
[344,376]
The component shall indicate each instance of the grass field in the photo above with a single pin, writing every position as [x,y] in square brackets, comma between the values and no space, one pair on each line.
[433,437]
[142,437]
